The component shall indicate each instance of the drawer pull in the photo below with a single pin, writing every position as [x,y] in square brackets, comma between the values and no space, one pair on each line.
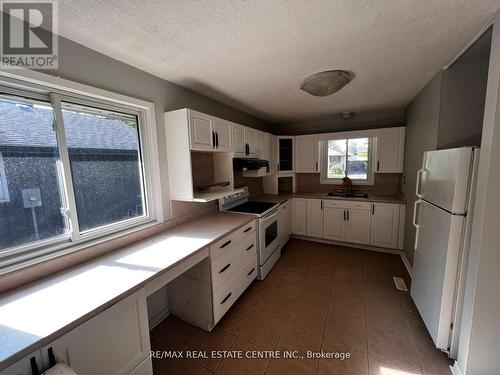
[249,247]
[225,299]
[253,269]
[52,358]
[225,244]
[247,230]
[34,366]
[225,267]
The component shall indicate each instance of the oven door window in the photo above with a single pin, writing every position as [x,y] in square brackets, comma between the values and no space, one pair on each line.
[271,232]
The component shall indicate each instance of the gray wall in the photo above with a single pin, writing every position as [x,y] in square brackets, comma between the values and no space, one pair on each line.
[463,96]
[422,123]
[81,64]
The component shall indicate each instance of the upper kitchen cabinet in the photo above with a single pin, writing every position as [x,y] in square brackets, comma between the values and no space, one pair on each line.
[206,133]
[223,135]
[245,141]
[306,154]
[286,154]
[390,150]
[192,164]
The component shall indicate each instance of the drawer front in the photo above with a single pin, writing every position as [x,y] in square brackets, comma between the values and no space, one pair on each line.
[225,244]
[331,203]
[231,261]
[233,288]
[245,230]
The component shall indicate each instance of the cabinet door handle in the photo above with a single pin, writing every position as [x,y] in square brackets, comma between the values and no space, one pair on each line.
[317,167]
[247,230]
[253,269]
[225,267]
[249,247]
[216,140]
[34,366]
[225,244]
[247,148]
[373,208]
[213,139]
[321,205]
[344,215]
[347,215]
[52,358]
[227,297]
[378,165]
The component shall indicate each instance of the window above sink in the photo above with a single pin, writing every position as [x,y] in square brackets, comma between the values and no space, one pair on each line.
[347,157]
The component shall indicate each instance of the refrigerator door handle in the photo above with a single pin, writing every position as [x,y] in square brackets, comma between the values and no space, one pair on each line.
[419,183]
[415,224]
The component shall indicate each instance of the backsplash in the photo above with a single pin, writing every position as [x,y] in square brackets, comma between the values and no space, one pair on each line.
[255,184]
[384,184]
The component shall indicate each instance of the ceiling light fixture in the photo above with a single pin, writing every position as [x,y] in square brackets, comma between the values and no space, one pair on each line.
[347,115]
[326,83]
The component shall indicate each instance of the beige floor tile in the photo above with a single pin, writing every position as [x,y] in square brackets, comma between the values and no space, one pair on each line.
[306,318]
[275,307]
[342,327]
[291,367]
[243,366]
[348,361]
[298,337]
[216,340]
[389,365]
[235,319]
[392,339]
[178,366]
[285,289]
[263,331]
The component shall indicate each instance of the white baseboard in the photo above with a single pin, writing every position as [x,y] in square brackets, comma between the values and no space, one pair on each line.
[456,370]
[407,264]
[347,244]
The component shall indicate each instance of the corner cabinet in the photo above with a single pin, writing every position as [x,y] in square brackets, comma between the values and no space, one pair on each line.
[306,154]
[390,150]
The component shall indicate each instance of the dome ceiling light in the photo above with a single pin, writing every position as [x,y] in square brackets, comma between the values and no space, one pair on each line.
[327,82]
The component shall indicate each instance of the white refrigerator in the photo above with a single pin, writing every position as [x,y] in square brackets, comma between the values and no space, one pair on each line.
[442,219]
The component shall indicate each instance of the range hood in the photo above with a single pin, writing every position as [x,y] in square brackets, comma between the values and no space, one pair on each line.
[251,167]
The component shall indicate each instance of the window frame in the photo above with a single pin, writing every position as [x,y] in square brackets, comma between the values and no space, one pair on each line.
[324,160]
[36,86]
[3,182]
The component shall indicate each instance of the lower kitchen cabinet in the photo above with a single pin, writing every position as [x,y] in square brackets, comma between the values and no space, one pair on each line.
[333,222]
[385,225]
[115,342]
[314,218]
[364,223]
[24,366]
[358,225]
[299,216]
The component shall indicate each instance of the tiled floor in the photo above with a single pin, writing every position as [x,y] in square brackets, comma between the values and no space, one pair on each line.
[317,298]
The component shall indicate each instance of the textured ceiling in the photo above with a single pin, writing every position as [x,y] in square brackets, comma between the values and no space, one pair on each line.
[253,54]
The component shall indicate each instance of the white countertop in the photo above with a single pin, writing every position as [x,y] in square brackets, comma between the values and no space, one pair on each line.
[36,314]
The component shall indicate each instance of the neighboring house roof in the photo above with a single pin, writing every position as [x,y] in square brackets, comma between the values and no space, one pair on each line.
[20,129]
[333,152]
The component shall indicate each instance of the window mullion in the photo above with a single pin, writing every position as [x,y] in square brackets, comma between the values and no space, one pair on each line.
[68,190]
[346,157]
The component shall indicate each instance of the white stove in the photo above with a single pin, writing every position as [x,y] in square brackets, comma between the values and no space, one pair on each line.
[268,247]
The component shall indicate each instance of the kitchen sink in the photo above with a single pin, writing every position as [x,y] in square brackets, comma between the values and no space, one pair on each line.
[345,194]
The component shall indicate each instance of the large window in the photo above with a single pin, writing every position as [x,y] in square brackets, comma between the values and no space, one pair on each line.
[347,158]
[70,170]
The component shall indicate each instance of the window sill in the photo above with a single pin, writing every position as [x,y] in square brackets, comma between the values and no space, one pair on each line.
[62,246]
